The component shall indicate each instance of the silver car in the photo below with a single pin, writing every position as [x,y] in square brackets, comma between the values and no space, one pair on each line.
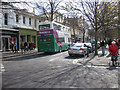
[78,48]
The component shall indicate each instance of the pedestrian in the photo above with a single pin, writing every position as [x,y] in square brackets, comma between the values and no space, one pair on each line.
[29,46]
[25,46]
[119,43]
[87,49]
[109,42]
[113,49]
[16,48]
[108,45]
[12,46]
[22,47]
[34,46]
[103,45]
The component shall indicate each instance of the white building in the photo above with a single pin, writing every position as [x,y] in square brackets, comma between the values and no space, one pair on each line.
[17,26]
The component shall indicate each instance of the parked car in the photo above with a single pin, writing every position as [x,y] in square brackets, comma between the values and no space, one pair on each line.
[77,48]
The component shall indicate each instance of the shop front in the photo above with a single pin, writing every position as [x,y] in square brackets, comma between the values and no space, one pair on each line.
[8,36]
[27,35]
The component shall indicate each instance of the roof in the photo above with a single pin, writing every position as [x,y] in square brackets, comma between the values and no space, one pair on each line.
[20,6]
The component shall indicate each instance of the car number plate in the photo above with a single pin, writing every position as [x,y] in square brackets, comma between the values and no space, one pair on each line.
[74,49]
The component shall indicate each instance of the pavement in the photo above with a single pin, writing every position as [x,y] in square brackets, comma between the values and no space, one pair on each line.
[9,54]
[97,61]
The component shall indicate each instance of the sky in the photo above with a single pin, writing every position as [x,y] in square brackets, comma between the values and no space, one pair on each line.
[32,4]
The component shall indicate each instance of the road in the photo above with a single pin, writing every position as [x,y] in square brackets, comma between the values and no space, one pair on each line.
[58,70]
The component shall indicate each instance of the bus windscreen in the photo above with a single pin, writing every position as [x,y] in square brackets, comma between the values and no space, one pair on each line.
[44,27]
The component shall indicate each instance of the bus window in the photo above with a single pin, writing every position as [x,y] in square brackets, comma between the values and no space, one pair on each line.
[44,27]
[69,39]
[45,39]
[57,27]
[41,39]
[48,39]
[60,40]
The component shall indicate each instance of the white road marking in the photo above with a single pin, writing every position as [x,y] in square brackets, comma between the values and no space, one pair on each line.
[57,56]
[75,61]
[53,59]
[2,68]
[60,53]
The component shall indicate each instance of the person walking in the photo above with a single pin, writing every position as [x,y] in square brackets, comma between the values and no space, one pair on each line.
[87,49]
[16,48]
[113,50]
[103,47]
[118,44]
[22,47]
[34,46]
[109,42]
[108,45]
[25,46]
[10,46]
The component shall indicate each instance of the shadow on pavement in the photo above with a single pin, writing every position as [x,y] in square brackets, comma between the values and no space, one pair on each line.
[112,68]
[28,57]
[89,60]
[74,57]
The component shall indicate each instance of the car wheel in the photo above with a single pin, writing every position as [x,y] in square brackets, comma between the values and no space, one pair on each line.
[70,54]
[84,53]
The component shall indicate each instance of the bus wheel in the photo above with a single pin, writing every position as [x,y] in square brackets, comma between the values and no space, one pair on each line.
[60,49]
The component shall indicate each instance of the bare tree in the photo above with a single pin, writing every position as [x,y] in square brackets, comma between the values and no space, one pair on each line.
[83,27]
[48,8]
[72,18]
[94,14]
[109,13]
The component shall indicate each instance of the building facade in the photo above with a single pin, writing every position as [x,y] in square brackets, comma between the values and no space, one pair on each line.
[16,26]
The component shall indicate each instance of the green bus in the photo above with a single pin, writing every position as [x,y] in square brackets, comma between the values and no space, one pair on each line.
[53,37]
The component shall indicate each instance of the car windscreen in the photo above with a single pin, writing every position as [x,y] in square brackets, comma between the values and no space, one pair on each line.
[77,45]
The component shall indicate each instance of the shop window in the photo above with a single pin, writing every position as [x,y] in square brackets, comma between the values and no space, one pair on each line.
[28,38]
[22,39]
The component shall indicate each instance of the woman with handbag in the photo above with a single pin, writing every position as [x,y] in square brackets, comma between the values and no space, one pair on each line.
[113,50]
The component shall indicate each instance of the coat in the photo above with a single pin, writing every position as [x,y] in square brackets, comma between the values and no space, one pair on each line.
[113,50]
